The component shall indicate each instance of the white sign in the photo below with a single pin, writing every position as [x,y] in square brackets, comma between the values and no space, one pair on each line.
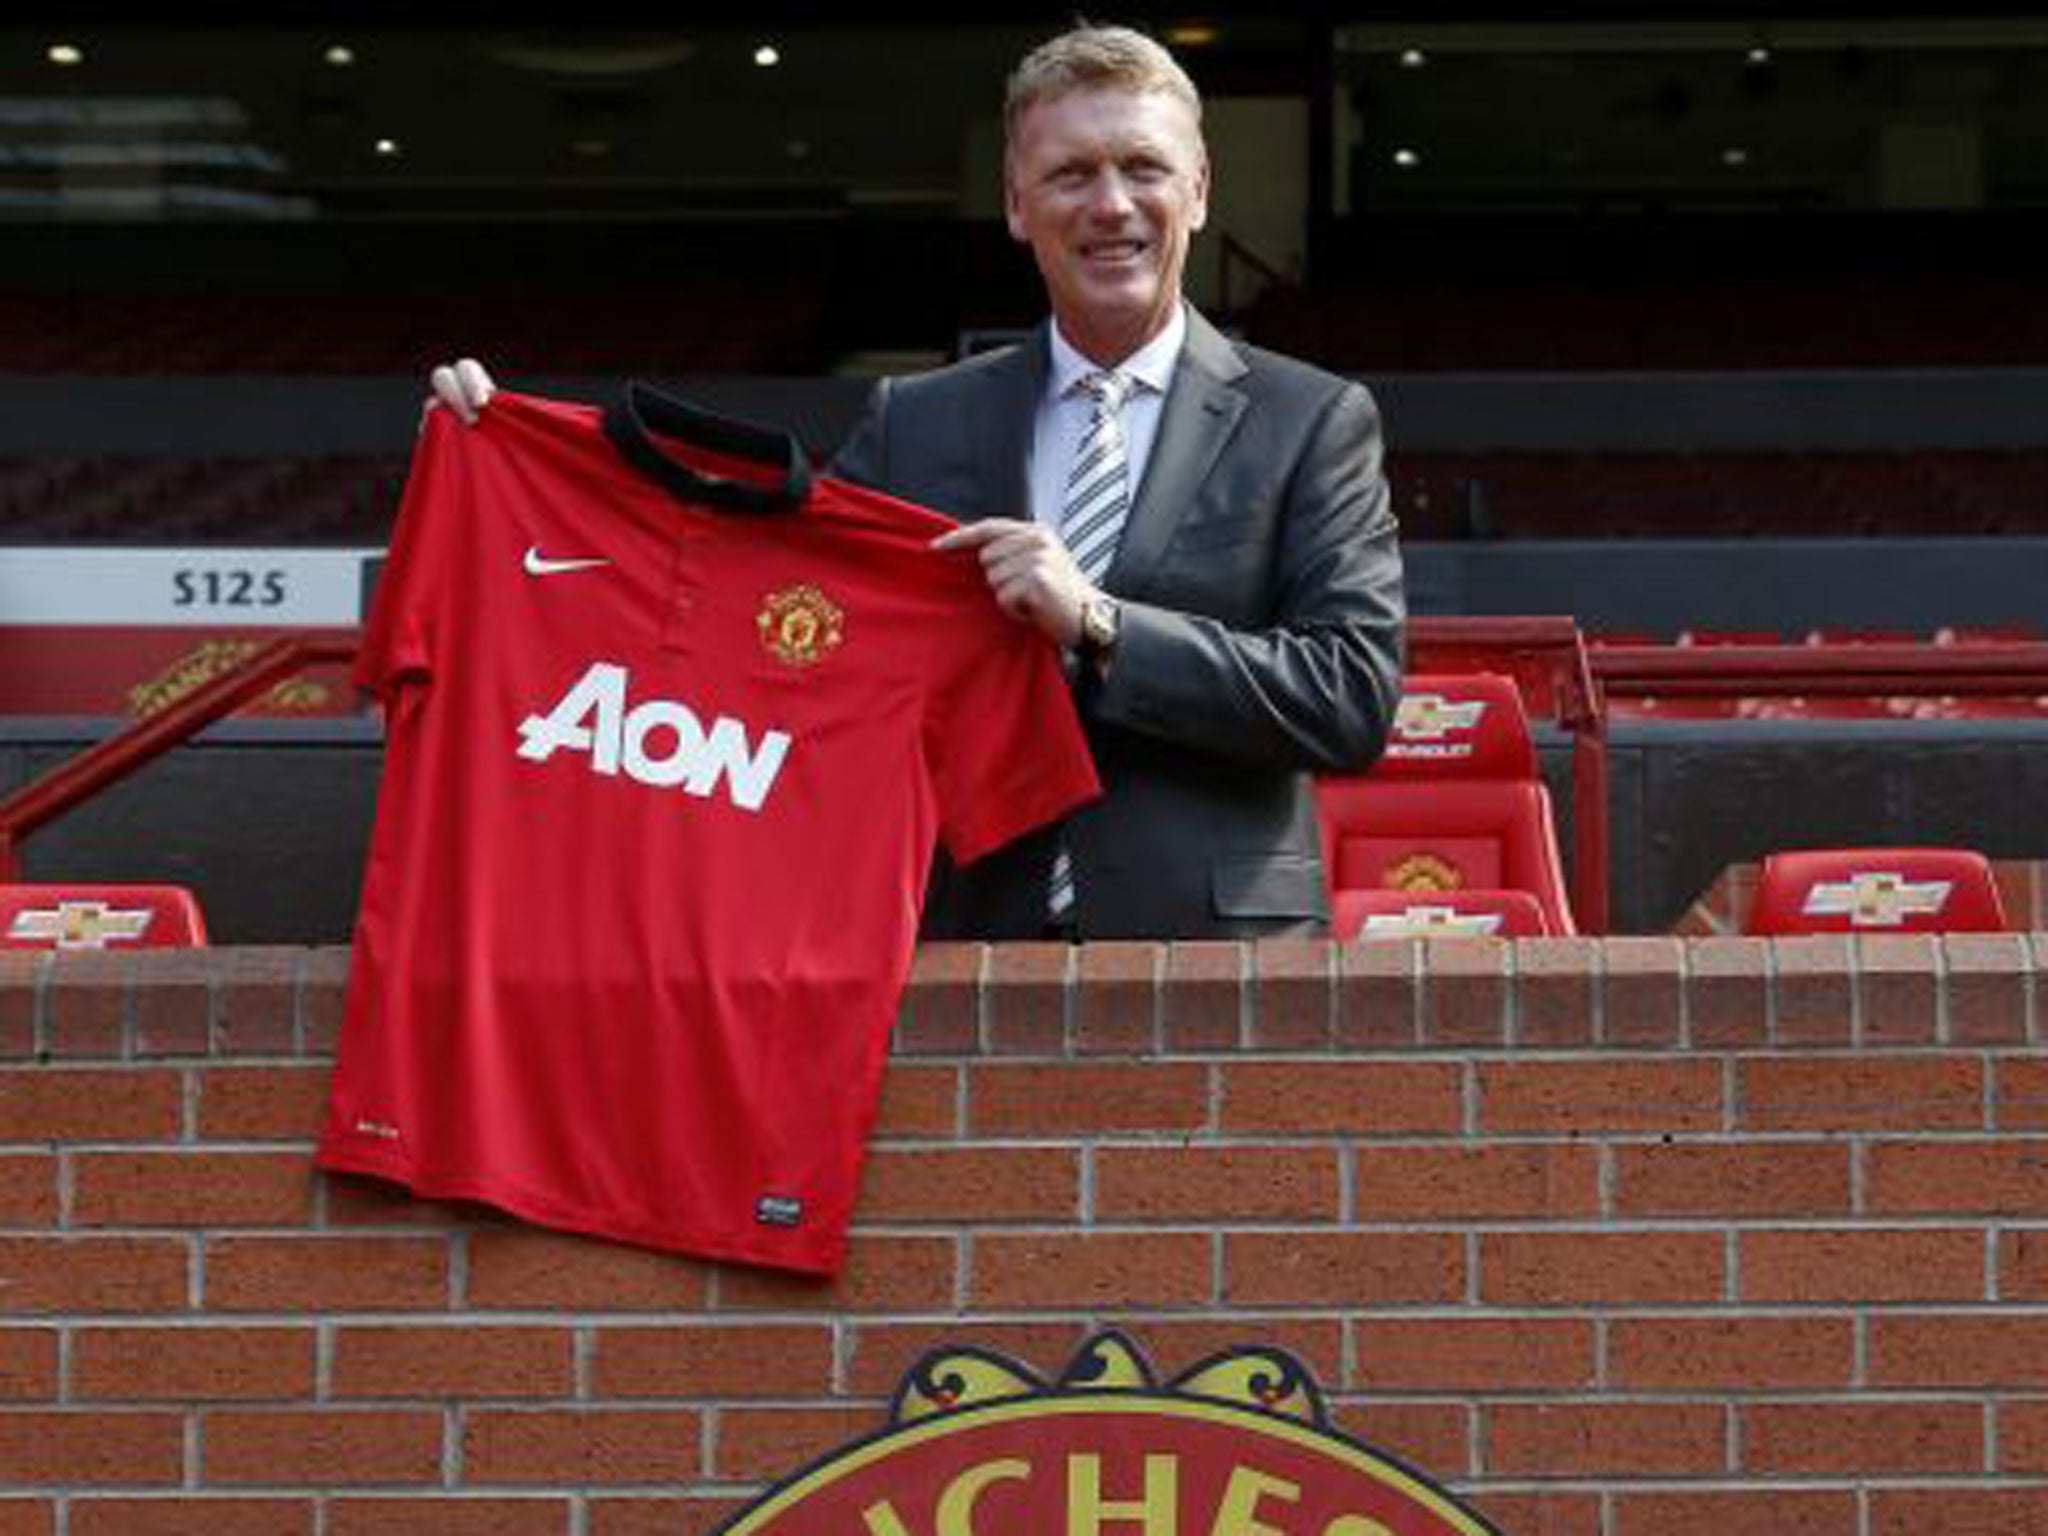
[207,587]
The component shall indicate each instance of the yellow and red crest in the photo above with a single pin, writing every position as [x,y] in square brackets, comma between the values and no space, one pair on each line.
[800,624]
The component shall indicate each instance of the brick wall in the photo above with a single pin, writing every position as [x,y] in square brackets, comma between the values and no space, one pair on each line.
[1626,1237]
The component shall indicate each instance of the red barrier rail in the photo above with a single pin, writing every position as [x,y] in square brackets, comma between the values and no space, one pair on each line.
[1728,671]
[79,778]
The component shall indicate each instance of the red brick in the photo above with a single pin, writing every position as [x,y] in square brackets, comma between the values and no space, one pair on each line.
[1730,1354]
[2022,1097]
[576,1446]
[255,1001]
[359,1200]
[1847,1093]
[652,1516]
[1090,1098]
[28,1365]
[1548,1269]
[1727,994]
[1025,1001]
[521,1268]
[2023,1436]
[1485,1354]
[1897,984]
[28,1189]
[760,1443]
[1089,1269]
[1860,1265]
[1953,1511]
[262,1103]
[1777,1511]
[970,1184]
[1379,995]
[1465,993]
[1577,1097]
[1643,991]
[321,1446]
[35,1517]
[1987,987]
[1293,994]
[1542,1514]
[918,1100]
[714,1360]
[1433,1435]
[67,1104]
[882,1353]
[326,1274]
[176,1515]
[1342,1268]
[1876,1439]
[1604,1439]
[94,1274]
[1502,1180]
[883,1273]
[465,1360]
[1815,1000]
[2002,1349]
[1213,1184]
[1358,1098]
[112,1449]
[1991,1178]
[191,1189]
[173,1001]
[1733,1178]
[143,1364]
[323,981]
[86,1005]
[1202,1005]
[20,975]
[463,1515]
[1116,1004]
[1175,1345]
[1556,991]
[942,1001]
[2023,1265]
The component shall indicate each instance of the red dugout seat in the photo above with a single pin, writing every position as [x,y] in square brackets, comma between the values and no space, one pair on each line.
[1436,915]
[1876,890]
[1455,805]
[100,917]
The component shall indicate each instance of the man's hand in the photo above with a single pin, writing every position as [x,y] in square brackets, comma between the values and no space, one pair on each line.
[463,386]
[1029,571]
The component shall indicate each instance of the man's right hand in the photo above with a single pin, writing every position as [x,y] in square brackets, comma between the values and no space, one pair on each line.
[463,386]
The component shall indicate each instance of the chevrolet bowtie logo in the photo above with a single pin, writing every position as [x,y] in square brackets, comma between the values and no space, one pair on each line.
[1424,922]
[1876,899]
[79,924]
[1432,717]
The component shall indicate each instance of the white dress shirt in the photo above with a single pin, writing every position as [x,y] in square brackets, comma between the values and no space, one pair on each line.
[1064,409]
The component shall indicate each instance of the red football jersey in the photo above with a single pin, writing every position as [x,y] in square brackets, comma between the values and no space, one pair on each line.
[662,781]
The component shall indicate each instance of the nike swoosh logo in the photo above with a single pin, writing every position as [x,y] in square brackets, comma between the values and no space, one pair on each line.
[538,564]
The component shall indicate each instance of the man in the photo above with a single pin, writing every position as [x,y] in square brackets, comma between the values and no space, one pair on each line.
[1207,530]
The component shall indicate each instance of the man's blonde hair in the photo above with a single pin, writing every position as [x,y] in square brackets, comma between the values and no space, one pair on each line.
[1095,56]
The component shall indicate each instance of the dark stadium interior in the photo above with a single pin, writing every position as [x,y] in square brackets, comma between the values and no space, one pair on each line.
[1683,317]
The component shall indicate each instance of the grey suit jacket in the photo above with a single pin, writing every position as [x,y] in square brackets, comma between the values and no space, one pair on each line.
[1260,580]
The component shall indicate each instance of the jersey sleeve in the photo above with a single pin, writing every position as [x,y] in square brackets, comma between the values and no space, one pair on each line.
[412,586]
[1004,739]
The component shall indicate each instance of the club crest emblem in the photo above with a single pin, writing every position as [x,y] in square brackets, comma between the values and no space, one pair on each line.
[800,625]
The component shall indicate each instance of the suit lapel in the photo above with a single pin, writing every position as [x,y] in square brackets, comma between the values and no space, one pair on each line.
[1201,411]
[1004,425]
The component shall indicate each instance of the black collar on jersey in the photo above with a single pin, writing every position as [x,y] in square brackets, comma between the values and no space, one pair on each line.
[642,411]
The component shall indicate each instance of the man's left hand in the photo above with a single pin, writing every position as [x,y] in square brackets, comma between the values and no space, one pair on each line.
[1029,571]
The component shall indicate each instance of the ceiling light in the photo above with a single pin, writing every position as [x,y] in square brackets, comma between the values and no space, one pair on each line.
[1407,159]
[1194,34]
[1735,158]
[767,55]
[340,55]
[1758,56]
[65,54]
[1413,58]
[387,149]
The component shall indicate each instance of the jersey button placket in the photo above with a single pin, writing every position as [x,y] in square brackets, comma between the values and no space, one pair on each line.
[686,588]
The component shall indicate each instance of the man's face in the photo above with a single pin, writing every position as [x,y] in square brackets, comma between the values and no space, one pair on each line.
[1107,186]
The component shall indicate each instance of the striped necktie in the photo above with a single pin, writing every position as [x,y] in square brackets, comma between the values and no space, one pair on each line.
[1098,496]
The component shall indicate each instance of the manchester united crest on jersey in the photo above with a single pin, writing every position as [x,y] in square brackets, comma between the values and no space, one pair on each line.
[800,624]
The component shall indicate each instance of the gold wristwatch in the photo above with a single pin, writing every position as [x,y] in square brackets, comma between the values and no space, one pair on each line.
[1099,618]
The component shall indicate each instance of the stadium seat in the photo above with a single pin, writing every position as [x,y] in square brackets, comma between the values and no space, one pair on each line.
[1463,914]
[100,917]
[1455,804]
[1876,890]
